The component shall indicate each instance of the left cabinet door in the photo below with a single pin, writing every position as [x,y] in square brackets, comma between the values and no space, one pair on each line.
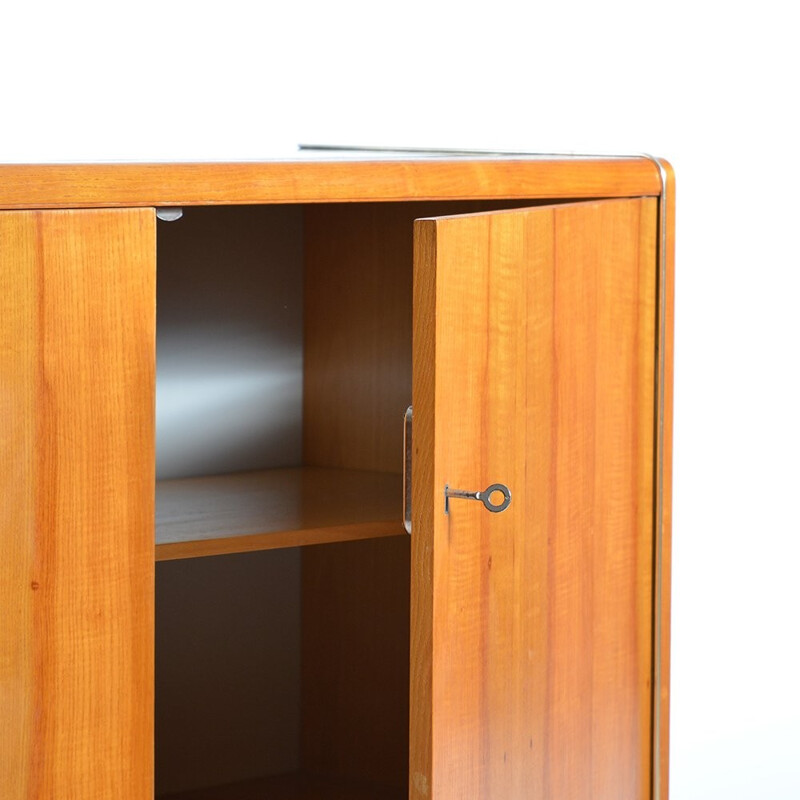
[77,366]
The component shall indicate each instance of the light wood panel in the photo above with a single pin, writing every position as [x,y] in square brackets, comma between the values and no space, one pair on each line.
[295,786]
[266,509]
[77,362]
[76,185]
[532,629]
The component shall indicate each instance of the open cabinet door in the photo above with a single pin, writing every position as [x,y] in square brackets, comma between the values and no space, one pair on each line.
[531,629]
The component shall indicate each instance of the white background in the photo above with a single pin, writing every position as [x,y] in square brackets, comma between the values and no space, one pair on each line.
[711,86]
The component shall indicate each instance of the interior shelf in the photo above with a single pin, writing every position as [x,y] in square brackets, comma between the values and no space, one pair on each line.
[266,509]
[295,786]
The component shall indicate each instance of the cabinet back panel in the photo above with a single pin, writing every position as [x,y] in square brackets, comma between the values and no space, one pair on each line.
[227,668]
[229,338]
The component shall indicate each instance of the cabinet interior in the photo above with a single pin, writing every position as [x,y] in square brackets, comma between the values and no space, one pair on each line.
[283,372]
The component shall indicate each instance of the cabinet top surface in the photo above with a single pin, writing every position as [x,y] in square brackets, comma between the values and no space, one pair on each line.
[329,175]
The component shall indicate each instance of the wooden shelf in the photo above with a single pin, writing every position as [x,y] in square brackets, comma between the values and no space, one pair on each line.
[295,786]
[267,509]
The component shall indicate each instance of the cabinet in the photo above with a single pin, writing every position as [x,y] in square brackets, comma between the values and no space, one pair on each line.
[293,641]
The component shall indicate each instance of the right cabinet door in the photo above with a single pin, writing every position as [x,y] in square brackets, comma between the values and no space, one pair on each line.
[531,629]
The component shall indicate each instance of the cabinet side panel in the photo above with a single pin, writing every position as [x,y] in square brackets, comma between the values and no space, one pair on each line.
[76,538]
[664,463]
[357,335]
[356,387]
[355,661]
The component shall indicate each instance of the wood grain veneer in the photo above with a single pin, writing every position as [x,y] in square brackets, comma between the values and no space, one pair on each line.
[532,629]
[77,304]
[265,509]
[80,185]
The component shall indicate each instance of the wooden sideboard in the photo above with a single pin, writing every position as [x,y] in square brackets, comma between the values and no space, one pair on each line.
[523,305]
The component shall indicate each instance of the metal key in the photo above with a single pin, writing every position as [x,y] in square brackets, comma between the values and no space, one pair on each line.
[484,497]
